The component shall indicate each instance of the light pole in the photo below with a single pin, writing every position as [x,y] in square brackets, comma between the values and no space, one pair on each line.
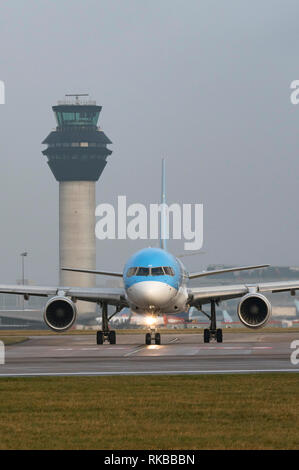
[23,273]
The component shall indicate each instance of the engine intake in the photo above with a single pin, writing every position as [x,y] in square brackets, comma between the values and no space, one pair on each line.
[60,313]
[254,310]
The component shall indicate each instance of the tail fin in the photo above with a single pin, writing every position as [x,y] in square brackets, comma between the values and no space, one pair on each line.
[163,244]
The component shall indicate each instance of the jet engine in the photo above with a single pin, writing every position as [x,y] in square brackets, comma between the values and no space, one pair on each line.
[254,310]
[60,313]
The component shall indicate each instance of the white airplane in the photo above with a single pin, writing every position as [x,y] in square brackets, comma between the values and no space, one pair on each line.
[156,283]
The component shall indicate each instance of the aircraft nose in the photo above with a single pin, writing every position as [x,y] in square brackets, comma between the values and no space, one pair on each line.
[151,293]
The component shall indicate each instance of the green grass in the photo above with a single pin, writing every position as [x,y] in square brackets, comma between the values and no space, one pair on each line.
[9,340]
[150,412]
[141,331]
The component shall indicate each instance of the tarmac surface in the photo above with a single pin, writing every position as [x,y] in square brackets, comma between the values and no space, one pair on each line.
[178,354]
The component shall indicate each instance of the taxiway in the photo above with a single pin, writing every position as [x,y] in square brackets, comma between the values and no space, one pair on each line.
[178,354]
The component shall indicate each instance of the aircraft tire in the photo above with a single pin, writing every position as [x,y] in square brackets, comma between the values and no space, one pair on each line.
[206,335]
[148,339]
[112,337]
[100,337]
[219,336]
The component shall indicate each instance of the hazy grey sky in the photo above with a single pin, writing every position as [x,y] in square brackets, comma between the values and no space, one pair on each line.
[203,83]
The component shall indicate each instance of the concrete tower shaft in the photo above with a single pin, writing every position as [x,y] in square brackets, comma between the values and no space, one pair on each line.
[76,231]
[77,152]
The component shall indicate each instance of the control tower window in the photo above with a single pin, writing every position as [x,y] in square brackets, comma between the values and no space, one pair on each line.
[71,118]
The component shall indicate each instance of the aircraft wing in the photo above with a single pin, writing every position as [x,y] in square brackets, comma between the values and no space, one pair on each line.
[203,295]
[226,270]
[26,314]
[113,296]
[92,271]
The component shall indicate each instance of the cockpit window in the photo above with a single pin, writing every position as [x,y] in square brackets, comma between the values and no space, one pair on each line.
[157,271]
[131,272]
[143,272]
[168,270]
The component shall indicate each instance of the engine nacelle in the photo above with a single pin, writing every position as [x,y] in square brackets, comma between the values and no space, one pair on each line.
[60,313]
[254,310]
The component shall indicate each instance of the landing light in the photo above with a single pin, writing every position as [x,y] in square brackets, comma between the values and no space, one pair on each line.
[150,321]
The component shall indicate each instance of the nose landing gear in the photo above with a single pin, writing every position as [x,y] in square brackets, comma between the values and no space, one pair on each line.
[152,334]
[157,338]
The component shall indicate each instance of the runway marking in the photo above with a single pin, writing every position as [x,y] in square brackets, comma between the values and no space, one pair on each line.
[64,349]
[157,372]
[174,340]
[203,348]
[89,349]
[209,348]
[234,347]
[134,351]
[112,348]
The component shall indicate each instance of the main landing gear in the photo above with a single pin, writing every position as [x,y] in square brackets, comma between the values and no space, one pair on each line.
[105,334]
[213,331]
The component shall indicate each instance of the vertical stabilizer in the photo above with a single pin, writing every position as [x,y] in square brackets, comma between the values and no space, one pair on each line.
[163,227]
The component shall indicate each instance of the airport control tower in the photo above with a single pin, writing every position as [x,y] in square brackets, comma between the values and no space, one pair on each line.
[77,155]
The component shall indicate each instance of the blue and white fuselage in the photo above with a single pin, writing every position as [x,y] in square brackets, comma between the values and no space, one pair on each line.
[155,282]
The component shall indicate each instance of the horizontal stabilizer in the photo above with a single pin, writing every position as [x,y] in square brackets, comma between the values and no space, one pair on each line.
[228,270]
[90,271]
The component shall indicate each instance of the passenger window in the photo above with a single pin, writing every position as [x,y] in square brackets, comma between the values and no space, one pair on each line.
[142,272]
[157,271]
